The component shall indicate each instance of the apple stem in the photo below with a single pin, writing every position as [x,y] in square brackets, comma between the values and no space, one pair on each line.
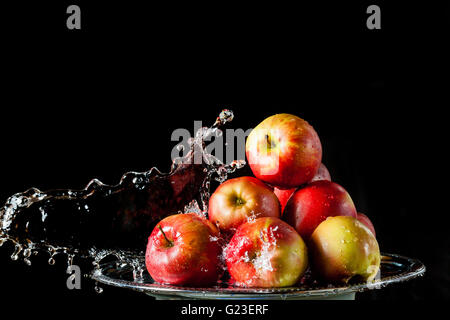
[269,141]
[165,237]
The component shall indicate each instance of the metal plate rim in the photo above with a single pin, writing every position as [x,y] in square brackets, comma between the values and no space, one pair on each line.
[417,268]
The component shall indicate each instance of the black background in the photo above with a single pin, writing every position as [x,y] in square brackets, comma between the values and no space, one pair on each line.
[104,100]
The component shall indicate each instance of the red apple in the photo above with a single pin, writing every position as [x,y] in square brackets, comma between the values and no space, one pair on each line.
[283,195]
[322,174]
[236,200]
[266,252]
[366,221]
[184,249]
[284,151]
[311,205]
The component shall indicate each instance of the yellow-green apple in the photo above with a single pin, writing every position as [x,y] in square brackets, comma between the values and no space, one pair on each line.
[184,249]
[312,204]
[342,248]
[366,221]
[266,252]
[284,151]
[236,200]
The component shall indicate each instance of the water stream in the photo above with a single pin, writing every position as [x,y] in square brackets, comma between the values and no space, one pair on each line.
[103,220]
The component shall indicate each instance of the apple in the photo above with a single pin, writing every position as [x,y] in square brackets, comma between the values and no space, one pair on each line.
[266,252]
[184,249]
[312,204]
[284,151]
[239,199]
[283,196]
[366,221]
[342,249]
[322,174]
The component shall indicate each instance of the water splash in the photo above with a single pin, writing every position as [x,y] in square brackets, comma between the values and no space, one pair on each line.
[113,220]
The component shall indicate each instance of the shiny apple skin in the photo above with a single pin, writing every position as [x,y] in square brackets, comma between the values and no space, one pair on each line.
[342,248]
[192,259]
[322,174]
[239,199]
[283,196]
[266,252]
[284,151]
[366,221]
[312,204]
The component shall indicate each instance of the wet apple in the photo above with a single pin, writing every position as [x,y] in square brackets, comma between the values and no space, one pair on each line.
[236,200]
[312,204]
[285,194]
[184,249]
[284,151]
[366,221]
[342,248]
[266,252]
[322,174]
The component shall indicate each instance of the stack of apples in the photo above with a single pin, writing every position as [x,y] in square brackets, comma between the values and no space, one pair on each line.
[267,230]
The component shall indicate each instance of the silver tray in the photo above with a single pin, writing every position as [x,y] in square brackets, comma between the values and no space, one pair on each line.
[394,268]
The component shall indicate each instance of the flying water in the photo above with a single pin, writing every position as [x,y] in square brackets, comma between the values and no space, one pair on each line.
[103,220]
